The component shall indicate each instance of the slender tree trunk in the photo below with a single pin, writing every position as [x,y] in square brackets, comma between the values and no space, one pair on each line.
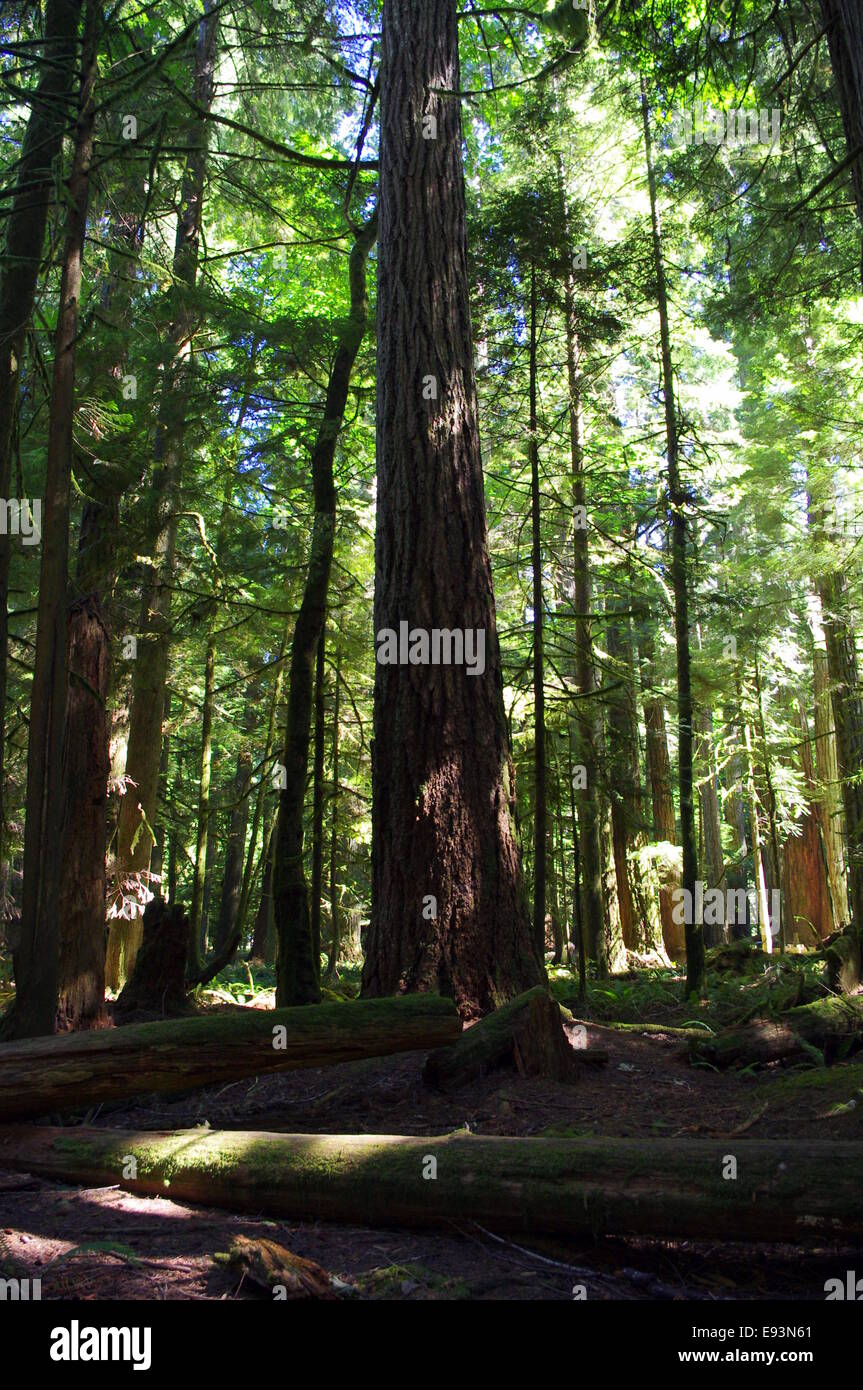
[638,875]
[540,790]
[138,807]
[614,944]
[157,860]
[828,785]
[262,933]
[552,893]
[22,255]
[203,827]
[577,913]
[661,797]
[757,861]
[710,819]
[298,972]
[623,779]
[335,931]
[81,980]
[771,802]
[591,915]
[251,852]
[442,773]
[37,956]
[848,711]
[232,881]
[318,802]
[695,968]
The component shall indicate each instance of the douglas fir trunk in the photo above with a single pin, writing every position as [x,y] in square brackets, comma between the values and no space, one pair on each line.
[447,907]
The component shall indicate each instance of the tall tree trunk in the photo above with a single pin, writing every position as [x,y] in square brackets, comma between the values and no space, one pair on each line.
[263,928]
[552,890]
[199,874]
[764,923]
[614,945]
[82,925]
[771,803]
[709,797]
[622,776]
[843,20]
[828,788]
[335,934]
[591,913]
[805,881]
[201,881]
[22,255]
[442,775]
[37,956]
[298,970]
[263,785]
[638,875]
[695,968]
[318,801]
[661,796]
[540,790]
[232,881]
[577,900]
[138,807]
[848,712]
[87,734]
[158,855]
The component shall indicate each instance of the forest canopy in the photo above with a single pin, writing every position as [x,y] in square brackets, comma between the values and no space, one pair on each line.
[660,209]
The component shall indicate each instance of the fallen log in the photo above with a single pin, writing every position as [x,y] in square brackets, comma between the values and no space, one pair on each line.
[832,1027]
[610,1026]
[576,1187]
[527,1034]
[44,1076]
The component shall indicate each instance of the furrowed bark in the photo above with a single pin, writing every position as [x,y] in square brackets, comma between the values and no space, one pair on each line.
[442,776]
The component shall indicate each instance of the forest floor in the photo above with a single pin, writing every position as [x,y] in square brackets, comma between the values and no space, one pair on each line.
[104,1243]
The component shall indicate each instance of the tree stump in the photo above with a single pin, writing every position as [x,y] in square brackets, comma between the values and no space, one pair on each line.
[844,957]
[526,1034]
[157,987]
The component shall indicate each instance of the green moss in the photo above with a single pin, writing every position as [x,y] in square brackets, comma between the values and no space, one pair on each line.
[389,1281]
[841,1082]
[75,1148]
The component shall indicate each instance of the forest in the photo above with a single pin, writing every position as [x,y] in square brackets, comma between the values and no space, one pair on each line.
[431,578]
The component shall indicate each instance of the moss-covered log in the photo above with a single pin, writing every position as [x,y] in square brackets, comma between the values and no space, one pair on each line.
[575,1187]
[48,1075]
[526,1034]
[832,1027]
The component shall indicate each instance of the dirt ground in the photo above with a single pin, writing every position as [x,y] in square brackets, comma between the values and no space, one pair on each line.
[105,1243]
